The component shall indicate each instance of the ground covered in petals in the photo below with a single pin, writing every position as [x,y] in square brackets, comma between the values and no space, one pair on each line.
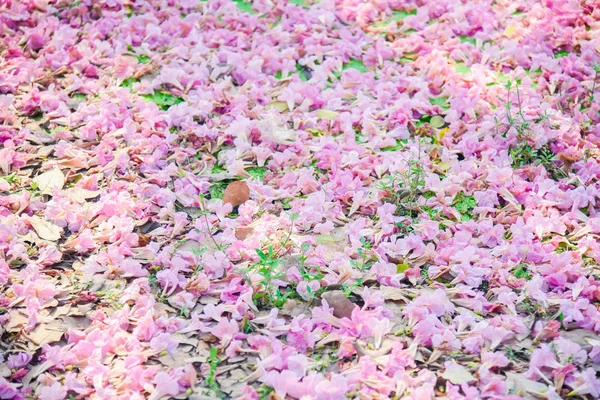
[299,199]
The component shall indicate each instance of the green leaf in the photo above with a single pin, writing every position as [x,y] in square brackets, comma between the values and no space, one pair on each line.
[399,145]
[244,6]
[301,3]
[561,54]
[217,169]
[327,114]
[143,59]
[439,101]
[356,64]
[462,69]
[402,267]
[468,39]
[464,205]
[128,83]
[162,99]
[261,254]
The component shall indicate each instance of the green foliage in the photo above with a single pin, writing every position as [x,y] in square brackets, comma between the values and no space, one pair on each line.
[439,101]
[400,144]
[217,169]
[245,6]
[301,3]
[143,59]
[257,173]
[521,271]
[348,288]
[211,377]
[268,291]
[561,54]
[524,152]
[128,83]
[356,64]
[300,70]
[464,205]
[364,262]
[403,189]
[467,39]
[462,68]
[163,99]
[217,189]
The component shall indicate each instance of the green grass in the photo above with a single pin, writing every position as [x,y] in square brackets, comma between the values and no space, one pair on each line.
[217,189]
[257,173]
[462,69]
[465,205]
[301,3]
[355,64]
[397,15]
[162,99]
[245,6]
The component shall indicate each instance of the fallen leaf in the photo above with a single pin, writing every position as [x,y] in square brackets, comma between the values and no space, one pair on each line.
[457,374]
[342,307]
[46,333]
[394,294]
[80,195]
[437,121]
[236,193]
[272,129]
[50,180]
[520,385]
[46,230]
[327,114]
[243,233]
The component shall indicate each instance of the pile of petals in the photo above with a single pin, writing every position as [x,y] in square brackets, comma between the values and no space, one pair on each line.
[299,199]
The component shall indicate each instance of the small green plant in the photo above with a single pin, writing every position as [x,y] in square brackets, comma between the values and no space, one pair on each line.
[348,288]
[524,152]
[404,189]
[465,205]
[268,291]
[12,178]
[211,376]
[596,75]
[521,271]
[364,262]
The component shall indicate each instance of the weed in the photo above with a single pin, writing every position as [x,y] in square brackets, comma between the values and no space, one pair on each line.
[211,376]
[208,225]
[348,288]
[524,152]
[364,262]
[464,205]
[596,75]
[404,189]
[264,392]
[268,268]
[521,271]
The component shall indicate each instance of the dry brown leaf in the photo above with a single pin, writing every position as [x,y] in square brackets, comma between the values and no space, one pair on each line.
[243,233]
[50,180]
[394,294]
[46,230]
[46,333]
[236,193]
[342,307]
